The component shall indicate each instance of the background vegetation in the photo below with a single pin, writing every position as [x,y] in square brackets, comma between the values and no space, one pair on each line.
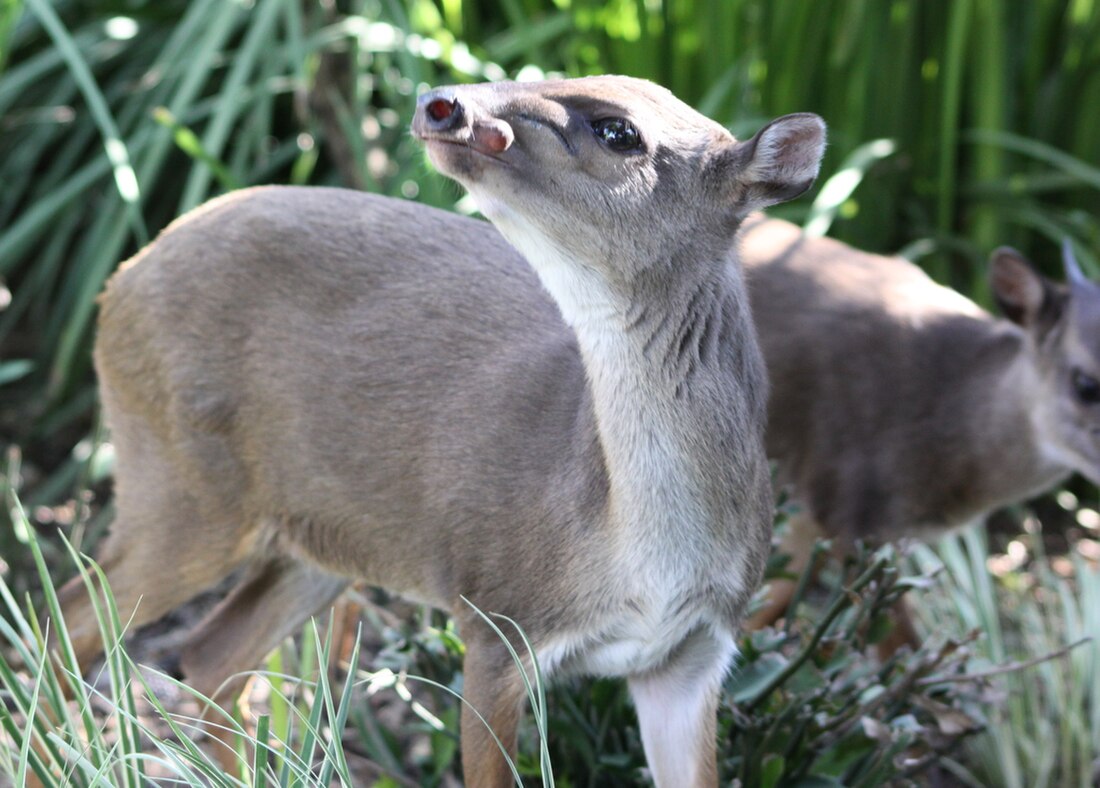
[955,127]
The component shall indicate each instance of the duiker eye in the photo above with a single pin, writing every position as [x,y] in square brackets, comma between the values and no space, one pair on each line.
[618,134]
[1086,387]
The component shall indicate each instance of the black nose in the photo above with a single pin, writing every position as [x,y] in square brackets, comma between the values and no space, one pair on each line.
[441,110]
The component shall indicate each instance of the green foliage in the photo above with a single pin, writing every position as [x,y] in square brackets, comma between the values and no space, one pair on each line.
[959,122]
[962,124]
[67,730]
[1042,723]
[806,706]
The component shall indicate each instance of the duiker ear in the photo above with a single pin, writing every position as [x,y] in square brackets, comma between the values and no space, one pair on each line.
[1074,274]
[780,162]
[1022,293]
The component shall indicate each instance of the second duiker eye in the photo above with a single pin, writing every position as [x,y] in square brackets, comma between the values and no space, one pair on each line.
[1087,387]
[618,134]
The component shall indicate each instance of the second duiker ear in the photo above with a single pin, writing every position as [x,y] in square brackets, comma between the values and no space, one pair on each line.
[1020,291]
[780,162]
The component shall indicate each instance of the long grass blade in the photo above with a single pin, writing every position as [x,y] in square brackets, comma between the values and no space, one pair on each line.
[117,153]
[840,186]
[1072,166]
[244,63]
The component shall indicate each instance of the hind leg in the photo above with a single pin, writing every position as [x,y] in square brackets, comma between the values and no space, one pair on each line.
[145,586]
[273,602]
[176,534]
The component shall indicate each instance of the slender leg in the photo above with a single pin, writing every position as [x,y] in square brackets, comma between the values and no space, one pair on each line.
[164,546]
[677,708]
[345,627]
[493,686]
[904,632]
[798,542]
[271,604]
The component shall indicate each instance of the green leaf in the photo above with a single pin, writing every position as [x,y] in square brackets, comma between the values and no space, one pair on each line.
[771,770]
[840,186]
[747,682]
[117,151]
[189,143]
[1038,150]
[817,781]
[14,370]
[10,11]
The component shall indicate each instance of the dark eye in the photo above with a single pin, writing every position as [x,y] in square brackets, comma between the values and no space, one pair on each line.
[1086,387]
[618,134]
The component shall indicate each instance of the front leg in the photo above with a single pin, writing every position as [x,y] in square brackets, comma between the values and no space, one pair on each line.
[492,685]
[677,707]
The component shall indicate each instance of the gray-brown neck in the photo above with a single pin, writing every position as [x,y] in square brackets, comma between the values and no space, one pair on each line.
[678,391]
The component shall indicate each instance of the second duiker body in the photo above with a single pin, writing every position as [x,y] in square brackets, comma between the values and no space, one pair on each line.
[899,407]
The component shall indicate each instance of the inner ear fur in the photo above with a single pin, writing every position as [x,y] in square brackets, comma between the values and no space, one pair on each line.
[780,162]
[1023,295]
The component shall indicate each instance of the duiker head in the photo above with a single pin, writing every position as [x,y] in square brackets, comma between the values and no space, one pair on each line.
[1063,326]
[610,171]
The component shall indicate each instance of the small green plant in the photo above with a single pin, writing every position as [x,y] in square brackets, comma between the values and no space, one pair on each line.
[1042,723]
[807,704]
[812,704]
[68,730]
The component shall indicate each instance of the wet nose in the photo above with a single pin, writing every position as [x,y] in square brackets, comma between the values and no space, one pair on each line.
[440,111]
[442,115]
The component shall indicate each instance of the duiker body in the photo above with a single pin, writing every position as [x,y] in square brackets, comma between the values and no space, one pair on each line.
[899,407]
[324,385]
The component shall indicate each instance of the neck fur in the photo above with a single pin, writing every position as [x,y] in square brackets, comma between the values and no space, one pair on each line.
[677,395]
[1002,428]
